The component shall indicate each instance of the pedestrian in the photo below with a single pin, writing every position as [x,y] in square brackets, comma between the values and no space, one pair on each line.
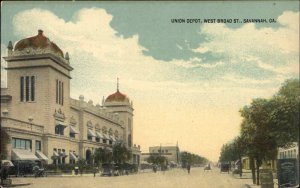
[94,171]
[188,167]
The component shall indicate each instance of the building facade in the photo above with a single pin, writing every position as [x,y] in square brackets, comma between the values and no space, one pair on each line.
[43,122]
[172,153]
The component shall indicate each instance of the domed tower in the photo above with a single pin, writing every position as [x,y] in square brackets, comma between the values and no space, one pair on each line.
[119,104]
[38,79]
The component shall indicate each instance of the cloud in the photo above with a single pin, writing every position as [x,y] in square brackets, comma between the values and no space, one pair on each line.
[3,66]
[271,49]
[196,62]
[201,50]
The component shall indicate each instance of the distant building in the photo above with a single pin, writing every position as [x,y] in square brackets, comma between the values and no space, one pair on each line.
[43,122]
[172,153]
[283,153]
[290,152]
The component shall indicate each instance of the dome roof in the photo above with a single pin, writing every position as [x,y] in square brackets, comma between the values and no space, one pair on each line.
[38,42]
[117,97]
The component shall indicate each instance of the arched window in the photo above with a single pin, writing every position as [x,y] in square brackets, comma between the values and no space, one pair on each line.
[88,156]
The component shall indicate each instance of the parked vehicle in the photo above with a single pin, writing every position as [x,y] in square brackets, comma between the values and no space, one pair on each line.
[39,172]
[224,167]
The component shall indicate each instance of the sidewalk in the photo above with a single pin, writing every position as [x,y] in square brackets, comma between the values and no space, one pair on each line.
[17,182]
[248,179]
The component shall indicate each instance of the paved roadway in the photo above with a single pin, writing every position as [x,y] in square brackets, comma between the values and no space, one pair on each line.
[176,178]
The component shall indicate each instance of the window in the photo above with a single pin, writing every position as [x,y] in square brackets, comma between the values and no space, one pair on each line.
[72,135]
[38,145]
[97,139]
[32,88]
[129,125]
[27,88]
[18,143]
[129,140]
[59,92]
[90,138]
[59,129]
[22,89]
[56,91]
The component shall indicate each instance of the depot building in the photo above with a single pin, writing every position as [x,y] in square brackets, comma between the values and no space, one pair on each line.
[43,122]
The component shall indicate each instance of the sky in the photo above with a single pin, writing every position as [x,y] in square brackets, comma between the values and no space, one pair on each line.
[187,81]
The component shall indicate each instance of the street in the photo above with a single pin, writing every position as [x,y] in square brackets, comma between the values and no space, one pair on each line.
[198,178]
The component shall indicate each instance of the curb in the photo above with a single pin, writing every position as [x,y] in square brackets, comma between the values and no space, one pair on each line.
[16,185]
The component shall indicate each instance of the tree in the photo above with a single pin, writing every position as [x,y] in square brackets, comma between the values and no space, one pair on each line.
[81,164]
[157,159]
[232,151]
[193,159]
[285,115]
[120,153]
[102,155]
[256,134]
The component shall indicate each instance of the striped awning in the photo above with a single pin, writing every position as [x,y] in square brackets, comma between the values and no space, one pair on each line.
[105,136]
[73,156]
[73,130]
[6,163]
[112,138]
[91,133]
[55,154]
[23,155]
[60,123]
[41,156]
[99,135]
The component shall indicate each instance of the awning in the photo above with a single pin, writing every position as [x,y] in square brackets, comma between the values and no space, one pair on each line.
[118,139]
[99,135]
[105,136]
[61,124]
[6,163]
[55,154]
[73,130]
[41,156]
[63,154]
[22,155]
[73,156]
[91,133]
[112,138]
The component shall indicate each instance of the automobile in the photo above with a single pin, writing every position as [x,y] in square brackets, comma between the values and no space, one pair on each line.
[224,167]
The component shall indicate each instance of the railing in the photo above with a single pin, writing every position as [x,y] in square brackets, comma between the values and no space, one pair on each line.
[95,110]
[21,125]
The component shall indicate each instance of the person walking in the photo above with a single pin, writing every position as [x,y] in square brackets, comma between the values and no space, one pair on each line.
[188,167]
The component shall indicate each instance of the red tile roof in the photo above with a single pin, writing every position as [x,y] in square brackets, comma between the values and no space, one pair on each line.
[117,97]
[38,41]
